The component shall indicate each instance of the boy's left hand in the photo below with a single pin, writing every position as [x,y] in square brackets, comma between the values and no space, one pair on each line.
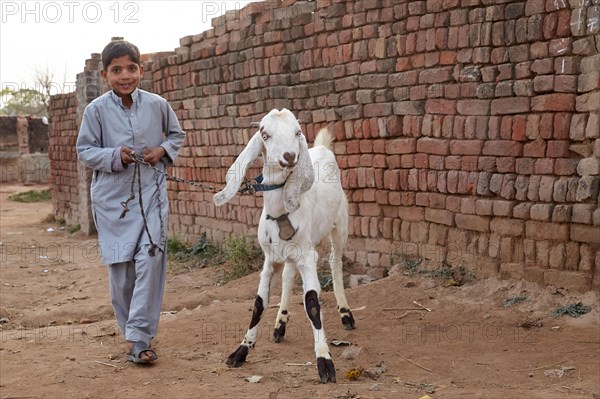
[153,155]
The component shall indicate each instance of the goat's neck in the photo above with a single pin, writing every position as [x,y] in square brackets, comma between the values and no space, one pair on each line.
[273,199]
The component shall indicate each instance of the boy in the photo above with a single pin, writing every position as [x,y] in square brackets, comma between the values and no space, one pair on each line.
[123,123]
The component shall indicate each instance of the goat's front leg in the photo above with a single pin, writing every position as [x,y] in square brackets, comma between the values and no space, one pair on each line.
[287,283]
[260,304]
[311,286]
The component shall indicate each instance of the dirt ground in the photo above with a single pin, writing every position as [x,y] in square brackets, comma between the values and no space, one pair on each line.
[59,337]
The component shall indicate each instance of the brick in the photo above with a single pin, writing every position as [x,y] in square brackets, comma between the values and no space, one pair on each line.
[521,211]
[505,164]
[546,231]
[587,234]
[523,187]
[562,213]
[472,222]
[440,216]
[524,166]
[401,146]
[587,187]
[557,148]
[588,166]
[435,75]
[505,106]
[502,208]
[538,50]
[502,148]
[553,102]
[409,108]
[588,82]
[440,106]
[543,83]
[592,129]
[562,121]
[483,207]
[473,107]
[588,102]
[546,188]
[432,146]
[582,213]
[590,64]
[535,149]
[542,67]
[578,124]
[541,212]
[411,213]
[561,187]
[465,147]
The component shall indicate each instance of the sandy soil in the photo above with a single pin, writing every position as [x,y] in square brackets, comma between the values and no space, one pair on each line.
[59,337]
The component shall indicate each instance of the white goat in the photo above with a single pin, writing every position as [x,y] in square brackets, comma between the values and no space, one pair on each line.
[305,204]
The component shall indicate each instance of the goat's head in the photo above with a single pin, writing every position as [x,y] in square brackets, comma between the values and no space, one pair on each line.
[285,151]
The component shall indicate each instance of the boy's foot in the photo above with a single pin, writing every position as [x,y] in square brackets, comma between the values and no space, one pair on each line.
[140,352]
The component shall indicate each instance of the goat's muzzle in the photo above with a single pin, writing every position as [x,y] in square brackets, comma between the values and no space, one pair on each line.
[290,160]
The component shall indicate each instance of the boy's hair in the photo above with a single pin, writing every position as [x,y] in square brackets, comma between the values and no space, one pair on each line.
[119,48]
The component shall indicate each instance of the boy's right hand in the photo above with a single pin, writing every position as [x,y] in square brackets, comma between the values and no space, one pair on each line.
[125,158]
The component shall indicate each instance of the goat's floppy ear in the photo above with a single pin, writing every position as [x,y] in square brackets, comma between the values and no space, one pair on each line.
[237,171]
[300,180]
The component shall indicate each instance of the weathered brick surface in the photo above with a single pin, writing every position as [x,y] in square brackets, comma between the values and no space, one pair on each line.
[470,126]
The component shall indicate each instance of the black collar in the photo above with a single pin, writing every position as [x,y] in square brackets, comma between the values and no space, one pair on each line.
[256,187]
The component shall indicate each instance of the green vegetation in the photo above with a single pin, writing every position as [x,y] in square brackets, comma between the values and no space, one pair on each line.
[325,279]
[183,257]
[572,309]
[451,276]
[513,300]
[73,228]
[32,196]
[237,257]
[243,256]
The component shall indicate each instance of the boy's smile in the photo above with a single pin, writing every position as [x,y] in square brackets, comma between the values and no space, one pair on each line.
[123,76]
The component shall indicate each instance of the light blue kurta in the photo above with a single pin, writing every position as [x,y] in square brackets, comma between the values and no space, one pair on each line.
[107,125]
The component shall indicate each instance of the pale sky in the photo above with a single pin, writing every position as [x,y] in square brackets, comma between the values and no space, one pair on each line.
[59,36]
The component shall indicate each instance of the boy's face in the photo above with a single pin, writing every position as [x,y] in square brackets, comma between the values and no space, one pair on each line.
[123,75]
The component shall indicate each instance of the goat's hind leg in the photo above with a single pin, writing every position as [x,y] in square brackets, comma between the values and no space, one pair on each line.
[260,304]
[337,275]
[287,283]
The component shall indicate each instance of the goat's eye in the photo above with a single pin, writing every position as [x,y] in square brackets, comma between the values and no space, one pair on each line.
[298,133]
[265,136]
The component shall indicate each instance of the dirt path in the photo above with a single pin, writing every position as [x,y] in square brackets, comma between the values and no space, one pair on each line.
[59,340]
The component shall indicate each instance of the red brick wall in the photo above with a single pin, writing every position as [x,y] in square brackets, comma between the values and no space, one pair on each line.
[467,131]
[63,157]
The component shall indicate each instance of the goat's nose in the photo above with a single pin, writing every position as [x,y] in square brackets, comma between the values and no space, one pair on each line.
[290,157]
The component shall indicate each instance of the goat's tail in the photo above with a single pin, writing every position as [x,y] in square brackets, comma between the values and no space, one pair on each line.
[324,138]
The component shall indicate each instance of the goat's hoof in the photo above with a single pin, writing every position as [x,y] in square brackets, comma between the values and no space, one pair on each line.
[237,358]
[279,333]
[348,321]
[326,370]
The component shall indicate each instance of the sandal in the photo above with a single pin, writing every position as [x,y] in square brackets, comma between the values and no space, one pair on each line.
[138,349]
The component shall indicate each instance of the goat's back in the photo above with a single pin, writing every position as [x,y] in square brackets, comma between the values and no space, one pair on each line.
[324,138]
[324,205]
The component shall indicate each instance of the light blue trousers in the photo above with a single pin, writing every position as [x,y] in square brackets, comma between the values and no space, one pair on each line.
[136,291]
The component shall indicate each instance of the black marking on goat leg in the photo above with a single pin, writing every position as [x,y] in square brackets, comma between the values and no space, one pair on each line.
[257,311]
[279,332]
[238,357]
[347,318]
[313,309]
[326,370]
